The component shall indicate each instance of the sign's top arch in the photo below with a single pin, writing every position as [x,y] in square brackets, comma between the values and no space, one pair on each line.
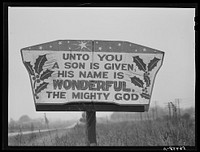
[93,45]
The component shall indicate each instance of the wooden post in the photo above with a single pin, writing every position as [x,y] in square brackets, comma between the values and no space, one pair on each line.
[91,128]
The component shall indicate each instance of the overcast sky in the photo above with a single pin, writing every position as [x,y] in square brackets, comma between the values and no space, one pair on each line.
[167,29]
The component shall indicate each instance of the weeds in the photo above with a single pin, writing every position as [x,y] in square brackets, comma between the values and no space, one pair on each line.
[140,133]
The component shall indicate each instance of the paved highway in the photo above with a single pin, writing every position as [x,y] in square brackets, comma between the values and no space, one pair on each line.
[37,131]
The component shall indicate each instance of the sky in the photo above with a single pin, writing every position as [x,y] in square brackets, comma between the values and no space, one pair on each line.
[170,30]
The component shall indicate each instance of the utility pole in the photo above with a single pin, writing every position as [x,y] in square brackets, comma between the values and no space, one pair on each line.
[146,118]
[179,109]
[107,119]
[148,115]
[156,110]
[169,110]
[174,110]
[153,111]
[141,116]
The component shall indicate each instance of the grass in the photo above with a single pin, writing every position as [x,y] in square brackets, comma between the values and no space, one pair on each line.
[144,133]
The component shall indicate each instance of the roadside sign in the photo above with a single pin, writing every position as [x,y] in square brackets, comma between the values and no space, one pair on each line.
[91,74]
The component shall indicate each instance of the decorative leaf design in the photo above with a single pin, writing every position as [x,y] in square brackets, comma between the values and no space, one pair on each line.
[39,63]
[147,80]
[139,63]
[41,87]
[46,74]
[137,81]
[29,67]
[153,63]
[146,96]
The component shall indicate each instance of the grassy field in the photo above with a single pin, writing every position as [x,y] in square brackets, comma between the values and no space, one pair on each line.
[130,133]
[37,139]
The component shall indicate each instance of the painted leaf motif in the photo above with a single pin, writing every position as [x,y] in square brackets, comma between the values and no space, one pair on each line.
[147,80]
[153,63]
[29,67]
[146,96]
[39,63]
[41,87]
[137,81]
[46,74]
[139,63]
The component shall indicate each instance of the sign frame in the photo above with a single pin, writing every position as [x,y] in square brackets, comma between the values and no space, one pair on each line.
[93,106]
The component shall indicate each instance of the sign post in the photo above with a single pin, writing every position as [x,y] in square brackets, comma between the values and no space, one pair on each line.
[91,128]
[92,75]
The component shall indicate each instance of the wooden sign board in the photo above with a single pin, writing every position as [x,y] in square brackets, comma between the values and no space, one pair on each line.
[73,75]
